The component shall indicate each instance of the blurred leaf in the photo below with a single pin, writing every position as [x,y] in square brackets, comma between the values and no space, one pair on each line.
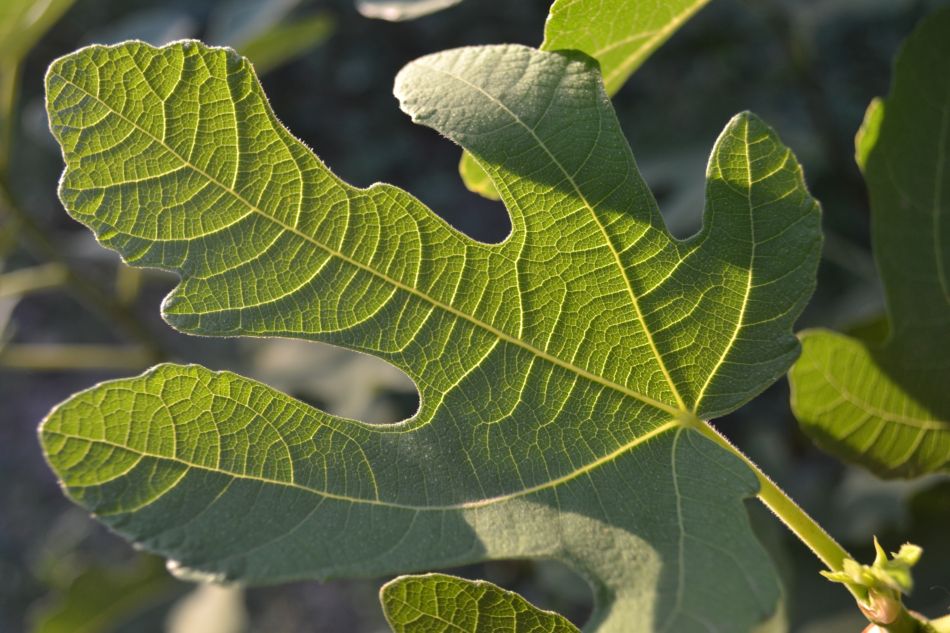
[436,602]
[102,598]
[235,22]
[264,32]
[619,34]
[886,406]
[23,23]
[680,194]
[284,42]
[871,331]
[398,10]
[157,26]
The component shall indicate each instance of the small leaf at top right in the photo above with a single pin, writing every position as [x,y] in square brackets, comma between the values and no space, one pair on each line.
[887,406]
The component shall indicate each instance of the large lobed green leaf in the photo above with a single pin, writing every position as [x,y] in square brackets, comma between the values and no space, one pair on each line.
[886,406]
[436,602]
[559,372]
[619,34]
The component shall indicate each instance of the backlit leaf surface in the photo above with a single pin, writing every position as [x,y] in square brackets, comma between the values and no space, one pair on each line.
[886,406]
[436,602]
[559,371]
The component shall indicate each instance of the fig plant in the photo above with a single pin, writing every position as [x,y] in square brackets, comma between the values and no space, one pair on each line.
[567,376]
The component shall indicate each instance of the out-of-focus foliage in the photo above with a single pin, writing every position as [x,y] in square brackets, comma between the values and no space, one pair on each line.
[432,474]
[209,609]
[101,598]
[808,66]
[398,10]
[23,22]
[284,42]
[885,405]
[266,32]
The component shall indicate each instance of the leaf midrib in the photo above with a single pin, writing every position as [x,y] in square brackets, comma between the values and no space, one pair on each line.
[402,286]
[670,425]
[740,319]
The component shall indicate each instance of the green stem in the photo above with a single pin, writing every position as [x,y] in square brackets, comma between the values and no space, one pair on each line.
[797,520]
[818,540]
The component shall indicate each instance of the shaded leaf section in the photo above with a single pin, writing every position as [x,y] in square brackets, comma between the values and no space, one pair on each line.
[886,406]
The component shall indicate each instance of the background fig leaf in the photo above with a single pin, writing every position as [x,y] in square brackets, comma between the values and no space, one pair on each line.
[560,372]
[437,602]
[619,34]
[886,406]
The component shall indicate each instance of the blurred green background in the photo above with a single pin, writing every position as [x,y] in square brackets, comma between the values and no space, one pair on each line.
[72,315]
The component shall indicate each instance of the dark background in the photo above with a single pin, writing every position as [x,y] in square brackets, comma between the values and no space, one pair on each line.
[808,67]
